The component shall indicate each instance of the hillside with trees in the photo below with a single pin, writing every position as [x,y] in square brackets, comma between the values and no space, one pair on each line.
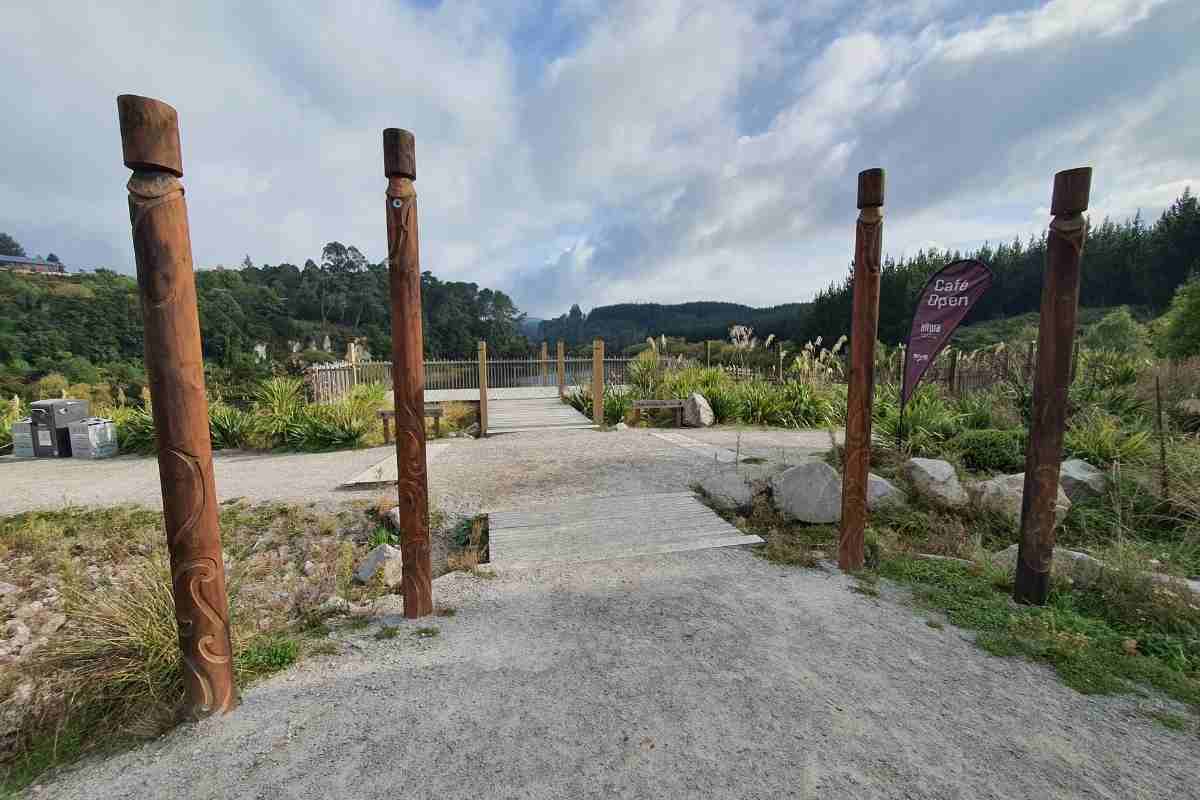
[87,327]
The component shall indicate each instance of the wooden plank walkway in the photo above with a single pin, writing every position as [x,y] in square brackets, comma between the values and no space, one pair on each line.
[536,414]
[602,528]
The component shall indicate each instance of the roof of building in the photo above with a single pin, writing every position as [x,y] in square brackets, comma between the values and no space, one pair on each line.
[23,260]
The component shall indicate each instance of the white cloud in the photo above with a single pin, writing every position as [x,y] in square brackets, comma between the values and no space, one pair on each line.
[666,151]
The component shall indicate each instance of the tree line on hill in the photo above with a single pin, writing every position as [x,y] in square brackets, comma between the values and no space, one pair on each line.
[1128,263]
[87,327]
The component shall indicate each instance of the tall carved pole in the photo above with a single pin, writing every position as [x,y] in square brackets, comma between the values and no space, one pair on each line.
[1056,338]
[174,364]
[544,370]
[868,244]
[562,369]
[598,381]
[408,371]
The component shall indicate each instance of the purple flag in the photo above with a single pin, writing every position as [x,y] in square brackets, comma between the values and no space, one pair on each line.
[945,300]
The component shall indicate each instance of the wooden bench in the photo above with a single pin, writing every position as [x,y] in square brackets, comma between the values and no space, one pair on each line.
[431,410]
[655,405]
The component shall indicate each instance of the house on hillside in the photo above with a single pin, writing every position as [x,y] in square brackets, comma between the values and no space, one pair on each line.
[22,264]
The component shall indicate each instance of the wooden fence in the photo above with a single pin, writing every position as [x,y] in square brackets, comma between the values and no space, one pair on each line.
[329,382]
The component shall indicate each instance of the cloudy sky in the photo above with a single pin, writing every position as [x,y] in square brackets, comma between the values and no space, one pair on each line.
[597,152]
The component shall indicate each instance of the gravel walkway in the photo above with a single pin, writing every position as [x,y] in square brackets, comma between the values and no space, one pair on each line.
[709,674]
[466,475]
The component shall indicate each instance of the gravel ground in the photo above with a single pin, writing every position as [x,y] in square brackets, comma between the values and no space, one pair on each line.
[708,674]
[466,475]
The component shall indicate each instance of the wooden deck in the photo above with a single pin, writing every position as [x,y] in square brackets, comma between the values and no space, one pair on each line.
[602,528]
[514,416]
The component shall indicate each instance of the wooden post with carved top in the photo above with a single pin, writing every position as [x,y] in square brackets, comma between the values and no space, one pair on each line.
[544,366]
[868,242]
[174,364]
[408,371]
[1051,379]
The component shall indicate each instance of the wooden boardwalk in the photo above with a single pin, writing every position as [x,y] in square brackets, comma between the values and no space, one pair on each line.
[534,414]
[602,528]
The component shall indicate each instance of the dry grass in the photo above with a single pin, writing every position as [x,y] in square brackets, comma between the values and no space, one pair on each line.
[458,416]
[111,674]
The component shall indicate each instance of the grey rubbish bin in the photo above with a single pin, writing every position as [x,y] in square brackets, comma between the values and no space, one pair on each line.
[51,426]
[93,437]
[22,436]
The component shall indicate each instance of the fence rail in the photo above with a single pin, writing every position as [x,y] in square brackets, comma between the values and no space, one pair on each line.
[330,382]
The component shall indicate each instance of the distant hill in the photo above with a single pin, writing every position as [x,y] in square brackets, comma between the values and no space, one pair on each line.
[625,324]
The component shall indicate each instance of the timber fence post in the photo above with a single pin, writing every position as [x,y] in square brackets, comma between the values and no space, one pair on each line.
[483,384]
[175,368]
[1056,336]
[561,368]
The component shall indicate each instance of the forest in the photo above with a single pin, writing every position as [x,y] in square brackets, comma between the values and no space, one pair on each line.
[87,327]
[1125,263]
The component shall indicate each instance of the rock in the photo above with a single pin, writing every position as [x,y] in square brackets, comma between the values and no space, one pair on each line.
[473,430]
[621,426]
[1189,414]
[697,413]
[335,605]
[53,623]
[1082,569]
[7,588]
[1081,481]
[310,568]
[385,560]
[1003,495]
[22,694]
[881,493]
[809,492]
[727,490]
[936,480]
[29,610]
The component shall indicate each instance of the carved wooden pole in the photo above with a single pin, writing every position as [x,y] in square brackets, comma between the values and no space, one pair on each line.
[868,241]
[562,370]
[174,364]
[408,371]
[483,399]
[598,381]
[1056,336]
[545,363]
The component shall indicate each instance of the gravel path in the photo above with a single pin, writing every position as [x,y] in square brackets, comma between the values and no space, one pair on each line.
[466,475]
[709,674]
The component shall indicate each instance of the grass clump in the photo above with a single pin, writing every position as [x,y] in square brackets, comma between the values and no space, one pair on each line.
[1109,639]
[387,632]
[990,450]
[426,632]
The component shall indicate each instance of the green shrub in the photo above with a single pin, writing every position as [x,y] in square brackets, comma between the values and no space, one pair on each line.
[807,405]
[929,420]
[266,655]
[580,399]
[723,400]
[1101,439]
[135,430]
[617,403]
[229,427]
[643,374]
[330,426]
[992,450]
[278,403]
[760,403]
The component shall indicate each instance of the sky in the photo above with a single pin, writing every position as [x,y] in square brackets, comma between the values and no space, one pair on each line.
[598,152]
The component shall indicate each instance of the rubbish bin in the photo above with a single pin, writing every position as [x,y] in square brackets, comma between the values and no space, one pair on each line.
[51,426]
[93,437]
[22,437]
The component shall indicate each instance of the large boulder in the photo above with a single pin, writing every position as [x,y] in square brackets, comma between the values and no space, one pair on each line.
[1003,495]
[1081,481]
[385,561]
[727,490]
[881,493]
[1082,569]
[697,413]
[809,492]
[937,481]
